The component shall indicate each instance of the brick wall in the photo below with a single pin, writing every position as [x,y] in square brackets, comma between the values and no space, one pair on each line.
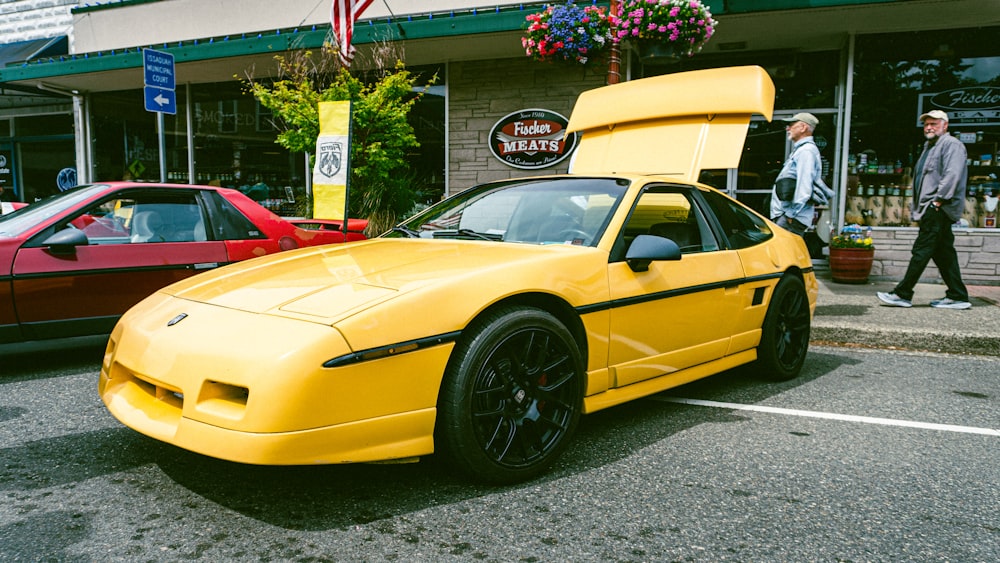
[482,92]
[978,255]
[23,20]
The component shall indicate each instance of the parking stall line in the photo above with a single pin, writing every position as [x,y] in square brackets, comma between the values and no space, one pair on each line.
[832,416]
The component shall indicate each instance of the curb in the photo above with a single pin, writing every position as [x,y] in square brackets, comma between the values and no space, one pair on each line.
[904,339]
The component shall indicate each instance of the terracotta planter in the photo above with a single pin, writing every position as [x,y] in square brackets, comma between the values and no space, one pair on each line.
[851,265]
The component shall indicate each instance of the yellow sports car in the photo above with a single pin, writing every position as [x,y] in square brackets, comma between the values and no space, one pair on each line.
[485,326]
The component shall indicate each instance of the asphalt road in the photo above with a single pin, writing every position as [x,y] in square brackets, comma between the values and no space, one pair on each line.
[869,456]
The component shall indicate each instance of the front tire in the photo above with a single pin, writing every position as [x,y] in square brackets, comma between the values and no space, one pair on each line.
[511,397]
[784,338]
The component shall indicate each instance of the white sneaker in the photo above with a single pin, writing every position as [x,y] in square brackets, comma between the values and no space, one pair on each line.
[948,303]
[893,300]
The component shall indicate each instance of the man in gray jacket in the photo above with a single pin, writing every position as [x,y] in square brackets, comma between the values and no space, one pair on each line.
[938,200]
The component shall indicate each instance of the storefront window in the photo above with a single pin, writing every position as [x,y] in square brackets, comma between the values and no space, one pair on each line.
[44,125]
[427,163]
[234,143]
[234,147]
[898,77]
[46,167]
[40,160]
[764,154]
[126,145]
[803,82]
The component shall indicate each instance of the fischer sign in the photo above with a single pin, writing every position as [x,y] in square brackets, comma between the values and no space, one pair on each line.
[531,138]
[969,105]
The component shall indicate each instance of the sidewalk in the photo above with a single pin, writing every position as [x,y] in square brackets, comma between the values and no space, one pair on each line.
[851,314]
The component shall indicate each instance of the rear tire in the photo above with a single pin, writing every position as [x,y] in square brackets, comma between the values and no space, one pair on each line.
[511,397]
[784,338]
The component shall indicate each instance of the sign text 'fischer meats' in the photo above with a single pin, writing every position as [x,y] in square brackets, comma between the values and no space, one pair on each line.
[531,138]
[968,105]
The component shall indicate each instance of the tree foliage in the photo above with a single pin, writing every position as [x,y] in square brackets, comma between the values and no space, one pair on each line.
[382,189]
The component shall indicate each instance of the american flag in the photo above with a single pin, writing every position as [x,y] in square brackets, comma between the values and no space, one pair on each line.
[343,15]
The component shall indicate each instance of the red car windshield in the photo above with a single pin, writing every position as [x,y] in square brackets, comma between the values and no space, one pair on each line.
[22,220]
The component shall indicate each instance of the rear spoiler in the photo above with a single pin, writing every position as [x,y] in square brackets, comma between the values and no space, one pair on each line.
[674,124]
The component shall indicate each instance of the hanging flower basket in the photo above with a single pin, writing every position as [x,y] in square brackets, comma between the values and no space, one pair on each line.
[683,25]
[567,33]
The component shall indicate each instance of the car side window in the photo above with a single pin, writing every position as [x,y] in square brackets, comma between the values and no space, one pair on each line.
[177,219]
[228,223]
[142,218]
[742,227]
[106,223]
[673,213]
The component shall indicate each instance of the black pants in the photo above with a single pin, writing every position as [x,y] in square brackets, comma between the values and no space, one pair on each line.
[936,242]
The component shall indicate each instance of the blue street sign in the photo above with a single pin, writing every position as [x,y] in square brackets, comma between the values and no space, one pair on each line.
[161,100]
[158,77]
[158,69]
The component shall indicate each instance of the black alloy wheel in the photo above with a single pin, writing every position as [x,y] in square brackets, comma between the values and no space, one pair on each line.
[784,337]
[512,396]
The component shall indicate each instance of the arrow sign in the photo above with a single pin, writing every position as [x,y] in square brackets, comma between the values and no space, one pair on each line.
[161,100]
[158,77]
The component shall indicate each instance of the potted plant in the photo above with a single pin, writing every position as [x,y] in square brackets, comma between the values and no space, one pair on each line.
[567,33]
[664,29]
[851,255]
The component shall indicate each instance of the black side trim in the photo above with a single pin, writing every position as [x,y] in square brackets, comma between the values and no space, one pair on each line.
[104,271]
[615,303]
[65,328]
[392,349]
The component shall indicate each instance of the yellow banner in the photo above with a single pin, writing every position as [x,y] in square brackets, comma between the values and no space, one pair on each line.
[332,169]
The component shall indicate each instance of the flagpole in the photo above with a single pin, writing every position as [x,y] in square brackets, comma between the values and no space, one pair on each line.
[614,59]
[347,159]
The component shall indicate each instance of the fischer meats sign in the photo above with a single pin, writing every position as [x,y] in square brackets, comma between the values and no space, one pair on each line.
[969,105]
[531,138]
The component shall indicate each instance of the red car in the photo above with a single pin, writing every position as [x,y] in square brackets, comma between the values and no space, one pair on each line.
[70,265]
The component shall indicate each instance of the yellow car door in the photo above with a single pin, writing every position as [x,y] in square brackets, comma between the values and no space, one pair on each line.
[678,313]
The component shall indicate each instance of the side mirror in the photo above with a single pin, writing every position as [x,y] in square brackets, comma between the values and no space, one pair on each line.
[66,241]
[646,248]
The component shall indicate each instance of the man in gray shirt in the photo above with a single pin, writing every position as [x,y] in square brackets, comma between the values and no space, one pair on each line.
[938,200]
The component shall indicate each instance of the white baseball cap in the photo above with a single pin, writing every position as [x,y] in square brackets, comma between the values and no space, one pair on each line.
[934,114]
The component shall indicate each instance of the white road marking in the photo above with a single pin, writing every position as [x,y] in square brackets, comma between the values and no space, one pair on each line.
[832,416]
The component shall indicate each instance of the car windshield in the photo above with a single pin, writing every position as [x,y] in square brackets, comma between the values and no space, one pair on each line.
[20,221]
[565,210]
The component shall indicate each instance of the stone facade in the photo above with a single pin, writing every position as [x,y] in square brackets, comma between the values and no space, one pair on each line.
[24,20]
[978,255]
[480,93]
